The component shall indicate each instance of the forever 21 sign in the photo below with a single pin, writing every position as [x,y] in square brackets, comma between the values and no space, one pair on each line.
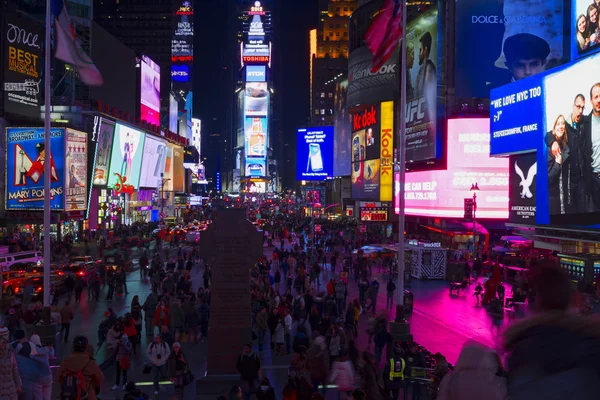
[23,57]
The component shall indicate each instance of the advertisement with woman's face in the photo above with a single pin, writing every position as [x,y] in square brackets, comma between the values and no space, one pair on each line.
[585,31]
[150,92]
[126,160]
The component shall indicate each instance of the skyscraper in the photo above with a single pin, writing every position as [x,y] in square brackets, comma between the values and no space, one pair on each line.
[328,57]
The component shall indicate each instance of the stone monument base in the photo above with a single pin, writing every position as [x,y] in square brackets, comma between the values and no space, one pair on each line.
[400,328]
[212,386]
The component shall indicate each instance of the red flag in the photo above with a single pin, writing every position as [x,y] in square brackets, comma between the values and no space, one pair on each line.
[384,32]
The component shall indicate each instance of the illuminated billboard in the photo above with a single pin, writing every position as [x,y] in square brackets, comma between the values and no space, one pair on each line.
[256,137]
[126,159]
[442,193]
[182,61]
[256,101]
[178,170]
[153,161]
[76,179]
[342,147]
[422,45]
[256,73]
[365,180]
[314,153]
[25,158]
[386,140]
[150,92]
[103,136]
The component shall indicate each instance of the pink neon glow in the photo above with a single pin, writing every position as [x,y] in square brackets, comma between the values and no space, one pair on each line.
[442,193]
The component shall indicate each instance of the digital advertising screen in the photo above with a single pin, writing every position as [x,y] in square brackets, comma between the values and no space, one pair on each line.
[103,136]
[422,64]
[442,193]
[522,188]
[365,180]
[256,137]
[498,42]
[76,179]
[516,114]
[126,157]
[342,125]
[23,44]
[358,147]
[568,146]
[366,125]
[173,113]
[256,73]
[255,43]
[585,33]
[256,103]
[153,161]
[25,158]
[256,167]
[314,153]
[180,73]
[168,176]
[150,91]
[386,167]
[178,170]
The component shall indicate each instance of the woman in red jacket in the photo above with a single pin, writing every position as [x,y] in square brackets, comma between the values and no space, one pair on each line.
[161,318]
[130,330]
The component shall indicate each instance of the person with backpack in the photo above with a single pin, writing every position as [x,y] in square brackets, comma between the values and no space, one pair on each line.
[124,350]
[79,375]
[249,367]
[390,288]
[158,354]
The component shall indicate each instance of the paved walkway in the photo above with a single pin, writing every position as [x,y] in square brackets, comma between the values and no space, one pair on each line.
[440,322]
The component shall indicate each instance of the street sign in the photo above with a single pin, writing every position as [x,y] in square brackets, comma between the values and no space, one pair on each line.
[162,215]
[469,209]
[363,228]
[318,228]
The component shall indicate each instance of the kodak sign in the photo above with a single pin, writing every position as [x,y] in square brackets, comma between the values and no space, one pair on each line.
[386,171]
[364,119]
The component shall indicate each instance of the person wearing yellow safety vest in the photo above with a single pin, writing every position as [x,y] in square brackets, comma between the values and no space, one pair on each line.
[393,375]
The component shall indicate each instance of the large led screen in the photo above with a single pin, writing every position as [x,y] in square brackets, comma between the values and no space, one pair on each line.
[585,34]
[314,153]
[103,136]
[153,161]
[256,137]
[178,170]
[126,160]
[366,140]
[256,167]
[422,63]
[442,193]
[257,99]
[167,184]
[76,179]
[342,146]
[365,180]
[25,158]
[150,92]
[570,148]
[498,42]
[522,190]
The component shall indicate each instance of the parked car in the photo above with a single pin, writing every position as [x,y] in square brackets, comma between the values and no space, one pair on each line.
[12,282]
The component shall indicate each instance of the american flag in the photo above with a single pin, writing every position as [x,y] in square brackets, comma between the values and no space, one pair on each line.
[384,32]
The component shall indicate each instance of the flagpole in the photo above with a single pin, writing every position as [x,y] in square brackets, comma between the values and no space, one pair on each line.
[402,165]
[47,153]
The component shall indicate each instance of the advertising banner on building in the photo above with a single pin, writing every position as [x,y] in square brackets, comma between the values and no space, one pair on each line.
[342,145]
[102,134]
[386,167]
[366,87]
[150,91]
[25,158]
[22,41]
[256,167]
[442,193]
[366,125]
[365,180]
[168,175]
[422,63]
[256,137]
[314,153]
[256,73]
[153,161]
[256,45]
[178,170]
[76,179]
[498,42]
[257,99]
[585,35]
[522,188]
[126,158]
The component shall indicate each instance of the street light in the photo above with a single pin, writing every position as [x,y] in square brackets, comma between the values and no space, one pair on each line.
[474,189]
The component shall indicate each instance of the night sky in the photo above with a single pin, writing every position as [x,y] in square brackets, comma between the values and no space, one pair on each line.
[214,49]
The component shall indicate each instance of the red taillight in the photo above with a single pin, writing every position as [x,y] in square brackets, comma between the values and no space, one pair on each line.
[80,273]
[5,282]
[17,290]
[39,289]
[61,273]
